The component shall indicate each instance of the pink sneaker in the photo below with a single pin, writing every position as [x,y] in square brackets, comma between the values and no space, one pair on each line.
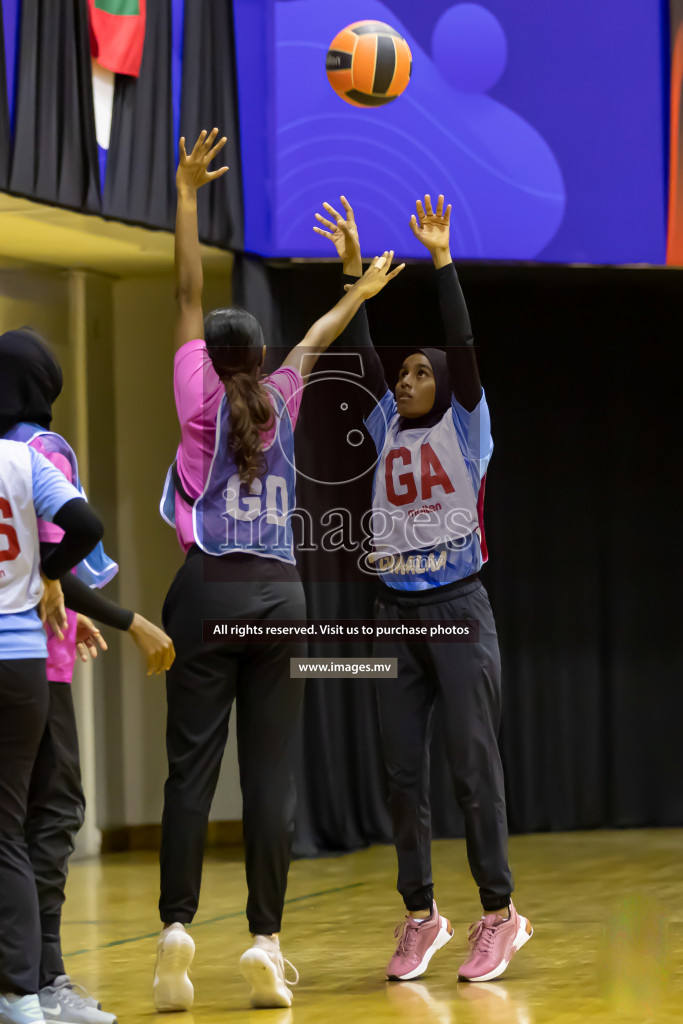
[417,944]
[493,943]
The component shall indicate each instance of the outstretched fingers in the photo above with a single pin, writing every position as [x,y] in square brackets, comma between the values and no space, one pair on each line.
[383,264]
[209,139]
[442,214]
[427,214]
[199,145]
[334,213]
[381,271]
[323,220]
[216,149]
[348,209]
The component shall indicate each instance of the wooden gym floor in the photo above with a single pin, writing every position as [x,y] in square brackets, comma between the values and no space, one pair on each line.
[607,910]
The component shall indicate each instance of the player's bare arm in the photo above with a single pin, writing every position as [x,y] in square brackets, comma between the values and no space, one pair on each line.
[343,233]
[193,172]
[323,332]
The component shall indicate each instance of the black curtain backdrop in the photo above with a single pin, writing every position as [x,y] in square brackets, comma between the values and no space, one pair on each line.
[582,516]
[55,149]
[5,137]
[140,178]
[54,157]
[209,97]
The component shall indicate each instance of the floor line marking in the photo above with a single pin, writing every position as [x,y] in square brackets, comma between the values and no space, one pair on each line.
[212,920]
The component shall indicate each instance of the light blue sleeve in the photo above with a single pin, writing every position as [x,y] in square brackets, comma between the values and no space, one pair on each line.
[51,489]
[379,419]
[474,433]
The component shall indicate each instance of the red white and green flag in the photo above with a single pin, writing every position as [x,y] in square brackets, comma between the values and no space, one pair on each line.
[117,34]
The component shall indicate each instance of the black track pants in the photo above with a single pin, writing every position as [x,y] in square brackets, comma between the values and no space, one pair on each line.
[201,686]
[56,809]
[461,683]
[23,712]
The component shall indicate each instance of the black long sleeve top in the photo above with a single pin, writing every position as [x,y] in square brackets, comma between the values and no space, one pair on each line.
[82,531]
[79,597]
[460,353]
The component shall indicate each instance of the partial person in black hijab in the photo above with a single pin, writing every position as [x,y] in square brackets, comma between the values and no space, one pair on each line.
[30,382]
[30,379]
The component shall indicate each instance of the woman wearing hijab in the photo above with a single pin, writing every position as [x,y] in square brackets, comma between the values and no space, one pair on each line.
[30,383]
[434,444]
[229,495]
[29,487]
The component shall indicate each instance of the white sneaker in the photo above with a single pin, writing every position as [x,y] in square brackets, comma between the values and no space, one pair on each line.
[263,966]
[173,989]
[70,1003]
[20,1009]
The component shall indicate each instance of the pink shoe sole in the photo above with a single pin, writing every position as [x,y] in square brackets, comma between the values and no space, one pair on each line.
[445,935]
[524,933]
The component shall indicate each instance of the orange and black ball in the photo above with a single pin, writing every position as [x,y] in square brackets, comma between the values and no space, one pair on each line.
[369,64]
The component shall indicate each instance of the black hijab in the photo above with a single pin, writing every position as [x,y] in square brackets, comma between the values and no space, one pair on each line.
[30,379]
[442,393]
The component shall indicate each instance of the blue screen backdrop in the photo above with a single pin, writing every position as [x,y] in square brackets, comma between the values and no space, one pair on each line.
[542,123]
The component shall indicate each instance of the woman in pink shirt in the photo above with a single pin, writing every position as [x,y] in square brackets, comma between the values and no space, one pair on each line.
[230,495]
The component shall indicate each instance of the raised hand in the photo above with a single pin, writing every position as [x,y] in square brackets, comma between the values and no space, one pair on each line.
[378,274]
[193,170]
[432,227]
[88,638]
[343,233]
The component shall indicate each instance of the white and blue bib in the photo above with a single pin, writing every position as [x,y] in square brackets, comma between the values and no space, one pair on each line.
[228,516]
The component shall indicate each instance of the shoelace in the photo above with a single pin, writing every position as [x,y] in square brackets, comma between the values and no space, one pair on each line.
[79,990]
[286,981]
[481,936]
[67,996]
[64,986]
[406,933]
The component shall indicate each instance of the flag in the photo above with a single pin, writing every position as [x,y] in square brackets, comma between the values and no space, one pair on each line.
[117,34]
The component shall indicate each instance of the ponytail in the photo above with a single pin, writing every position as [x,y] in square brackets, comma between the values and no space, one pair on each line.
[250,413]
[234,342]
